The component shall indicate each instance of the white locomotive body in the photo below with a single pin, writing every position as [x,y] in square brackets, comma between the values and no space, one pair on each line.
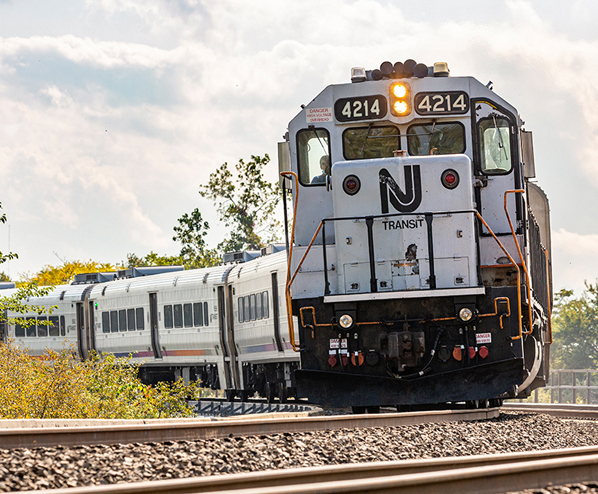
[419,272]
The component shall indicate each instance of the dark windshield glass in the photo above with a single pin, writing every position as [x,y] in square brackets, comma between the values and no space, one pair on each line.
[439,138]
[370,142]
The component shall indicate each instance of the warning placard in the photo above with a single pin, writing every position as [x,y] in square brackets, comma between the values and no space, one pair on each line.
[481,338]
[318,115]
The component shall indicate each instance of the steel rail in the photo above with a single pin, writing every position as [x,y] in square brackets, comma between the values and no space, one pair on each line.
[191,430]
[555,409]
[495,473]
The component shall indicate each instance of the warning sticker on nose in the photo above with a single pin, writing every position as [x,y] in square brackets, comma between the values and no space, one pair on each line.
[481,338]
[318,115]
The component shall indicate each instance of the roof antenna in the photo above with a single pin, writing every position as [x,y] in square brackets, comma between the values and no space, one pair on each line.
[489,85]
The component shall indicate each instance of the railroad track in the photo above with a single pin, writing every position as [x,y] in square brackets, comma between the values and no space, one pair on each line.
[480,474]
[484,474]
[195,429]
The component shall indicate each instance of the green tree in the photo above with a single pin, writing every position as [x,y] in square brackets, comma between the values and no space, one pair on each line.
[16,301]
[575,329]
[191,232]
[153,259]
[245,203]
[65,273]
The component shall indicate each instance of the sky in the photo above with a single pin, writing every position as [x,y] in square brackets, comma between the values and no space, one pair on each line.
[113,112]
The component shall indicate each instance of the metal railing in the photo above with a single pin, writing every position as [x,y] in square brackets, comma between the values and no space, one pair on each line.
[569,386]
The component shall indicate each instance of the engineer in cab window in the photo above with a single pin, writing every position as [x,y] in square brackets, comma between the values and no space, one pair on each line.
[325,167]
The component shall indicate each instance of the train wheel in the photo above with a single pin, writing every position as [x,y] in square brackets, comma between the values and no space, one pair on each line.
[230,394]
[245,395]
[270,392]
[282,393]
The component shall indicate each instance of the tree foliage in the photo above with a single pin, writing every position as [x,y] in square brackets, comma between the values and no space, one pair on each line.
[191,232]
[65,273]
[8,255]
[575,329]
[152,259]
[61,386]
[245,202]
[15,300]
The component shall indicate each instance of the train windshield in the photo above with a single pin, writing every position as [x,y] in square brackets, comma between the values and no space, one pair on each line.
[436,138]
[360,143]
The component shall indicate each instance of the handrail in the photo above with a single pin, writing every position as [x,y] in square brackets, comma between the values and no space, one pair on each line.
[517,270]
[548,295]
[529,290]
[288,286]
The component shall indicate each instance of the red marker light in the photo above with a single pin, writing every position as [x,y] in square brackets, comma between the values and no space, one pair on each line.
[450,179]
[483,351]
[351,185]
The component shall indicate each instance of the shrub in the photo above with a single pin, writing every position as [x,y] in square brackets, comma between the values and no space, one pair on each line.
[59,385]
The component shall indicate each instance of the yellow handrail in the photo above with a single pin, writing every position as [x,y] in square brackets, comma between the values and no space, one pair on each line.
[518,274]
[548,295]
[529,290]
[288,287]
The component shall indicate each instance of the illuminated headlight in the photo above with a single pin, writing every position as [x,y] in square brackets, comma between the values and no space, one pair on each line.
[465,314]
[345,321]
[401,107]
[400,99]
[399,90]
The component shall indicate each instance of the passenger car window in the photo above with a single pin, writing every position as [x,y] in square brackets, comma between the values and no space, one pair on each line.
[53,328]
[105,322]
[122,320]
[313,153]
[206,316]
[62,326]
[265,305]
[168,316]
[188,315]
[370,142]
[197,314]
[114,321]
[19,331]
[42,329]
[178,316]
[140,319]
[436,138]
[131,319]
[32,330]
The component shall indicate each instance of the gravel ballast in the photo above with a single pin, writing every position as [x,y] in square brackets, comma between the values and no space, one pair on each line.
[46,468]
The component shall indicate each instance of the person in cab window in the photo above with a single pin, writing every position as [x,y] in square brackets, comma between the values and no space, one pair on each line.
[325,167]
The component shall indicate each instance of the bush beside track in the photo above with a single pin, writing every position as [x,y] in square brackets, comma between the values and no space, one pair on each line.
[59,385]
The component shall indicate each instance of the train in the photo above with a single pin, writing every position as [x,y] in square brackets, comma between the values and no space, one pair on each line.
[416,270]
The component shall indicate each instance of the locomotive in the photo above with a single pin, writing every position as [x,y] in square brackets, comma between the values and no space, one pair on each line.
[417,267]
[420,269]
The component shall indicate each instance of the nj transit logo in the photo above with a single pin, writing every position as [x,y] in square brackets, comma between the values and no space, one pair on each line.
[404,202]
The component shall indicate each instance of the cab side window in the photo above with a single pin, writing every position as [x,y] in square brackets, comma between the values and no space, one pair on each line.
[495,145]
[494,138]
[313,153]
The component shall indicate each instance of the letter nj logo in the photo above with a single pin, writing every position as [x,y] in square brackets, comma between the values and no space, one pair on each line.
[407,201]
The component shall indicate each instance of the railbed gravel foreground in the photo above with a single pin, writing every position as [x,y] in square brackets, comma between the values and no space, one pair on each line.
[49,468]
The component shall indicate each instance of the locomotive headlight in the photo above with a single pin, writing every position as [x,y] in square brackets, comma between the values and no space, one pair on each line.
[345,321]
[400,99]
[401,107]
[465,314]
[399,90]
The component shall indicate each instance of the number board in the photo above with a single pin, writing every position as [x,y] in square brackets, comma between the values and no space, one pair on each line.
[361,108]
[442,103]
